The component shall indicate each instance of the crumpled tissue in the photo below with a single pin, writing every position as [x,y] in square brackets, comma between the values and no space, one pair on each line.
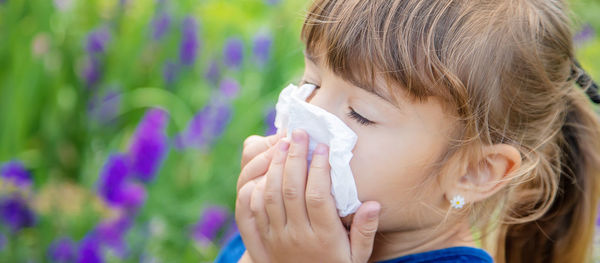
[293,112]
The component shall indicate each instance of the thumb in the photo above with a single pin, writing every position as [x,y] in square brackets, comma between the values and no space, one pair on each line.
[363,229]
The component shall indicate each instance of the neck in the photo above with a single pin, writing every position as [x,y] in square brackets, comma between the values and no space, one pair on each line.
[390,245]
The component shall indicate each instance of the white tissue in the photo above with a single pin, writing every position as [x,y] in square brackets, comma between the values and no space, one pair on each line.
[293,112]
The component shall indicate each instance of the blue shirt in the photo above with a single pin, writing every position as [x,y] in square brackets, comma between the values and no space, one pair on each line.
[233,251]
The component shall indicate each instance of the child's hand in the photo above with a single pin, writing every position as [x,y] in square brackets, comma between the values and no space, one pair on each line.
[295,216]
[256,157]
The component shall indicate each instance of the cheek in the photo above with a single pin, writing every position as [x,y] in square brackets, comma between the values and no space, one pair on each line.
[394,174]
[391,170]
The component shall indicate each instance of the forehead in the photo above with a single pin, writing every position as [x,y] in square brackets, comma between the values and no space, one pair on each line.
[378,88]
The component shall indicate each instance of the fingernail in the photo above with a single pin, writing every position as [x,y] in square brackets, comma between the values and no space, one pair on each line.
[321,149]
[284,145]
[297,136]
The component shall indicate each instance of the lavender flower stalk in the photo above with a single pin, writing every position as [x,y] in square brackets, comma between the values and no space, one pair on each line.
[213,73]
[62,250]
[233,53]
[189,43]
[262,48]
[106,108]
[170,71]
[91,71]
[206,126]
[149,145]
[15,173]
[89,250]
[113,179]
[213,219]
[229,88]
[97,41]
[160,25]
[15,213]
[111,234]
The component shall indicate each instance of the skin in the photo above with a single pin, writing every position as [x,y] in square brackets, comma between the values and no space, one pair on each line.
[284,208]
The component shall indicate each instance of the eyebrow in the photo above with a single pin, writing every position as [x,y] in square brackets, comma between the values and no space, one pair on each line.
[373,91]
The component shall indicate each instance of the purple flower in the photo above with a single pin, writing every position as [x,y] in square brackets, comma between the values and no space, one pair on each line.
[91,71]
[195,132]
[229,88]
[89,249]
[189,42]
[15,172]
[149,144]
[134,195]
[160,25]
[221,119]
[213,219]
[262,48]
[15,213]
[113,179]
[233,53]
[62,250]
[97,41]
[111,233]
[106,108]
[270,122]
[205,127]
[170,72]
[213,73]
[587,33]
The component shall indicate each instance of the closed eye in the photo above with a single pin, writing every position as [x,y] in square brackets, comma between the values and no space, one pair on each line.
[352,114]
[360,119]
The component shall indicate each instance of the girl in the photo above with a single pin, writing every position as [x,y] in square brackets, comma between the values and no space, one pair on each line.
[472,134]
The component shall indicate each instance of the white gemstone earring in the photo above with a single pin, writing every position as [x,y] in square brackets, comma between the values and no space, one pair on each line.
[457,202]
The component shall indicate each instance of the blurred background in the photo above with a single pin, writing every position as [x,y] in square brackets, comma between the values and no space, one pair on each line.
[122,121]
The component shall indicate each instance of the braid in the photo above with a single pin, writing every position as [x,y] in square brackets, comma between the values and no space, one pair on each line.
[585,81]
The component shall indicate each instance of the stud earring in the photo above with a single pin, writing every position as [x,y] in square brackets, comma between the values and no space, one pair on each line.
[457,202]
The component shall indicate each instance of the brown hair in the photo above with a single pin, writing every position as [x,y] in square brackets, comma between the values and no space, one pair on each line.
[506,69]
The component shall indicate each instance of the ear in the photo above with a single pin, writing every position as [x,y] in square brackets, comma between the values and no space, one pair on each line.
[486,176]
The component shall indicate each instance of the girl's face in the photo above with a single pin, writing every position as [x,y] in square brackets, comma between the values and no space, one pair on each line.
[397,144]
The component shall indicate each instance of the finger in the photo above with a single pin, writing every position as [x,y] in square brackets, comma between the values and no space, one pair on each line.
[258,207]
[319,201]
[363,229]
[294,180]
[255,145]
[247,225]
[273,199]
[255,168]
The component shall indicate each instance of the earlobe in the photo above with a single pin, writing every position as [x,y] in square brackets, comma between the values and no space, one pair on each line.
[488,175]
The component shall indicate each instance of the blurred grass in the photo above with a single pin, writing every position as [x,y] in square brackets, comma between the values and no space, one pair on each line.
[46,122]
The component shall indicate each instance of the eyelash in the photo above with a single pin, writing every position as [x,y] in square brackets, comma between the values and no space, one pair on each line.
[360,119]
[352,114]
